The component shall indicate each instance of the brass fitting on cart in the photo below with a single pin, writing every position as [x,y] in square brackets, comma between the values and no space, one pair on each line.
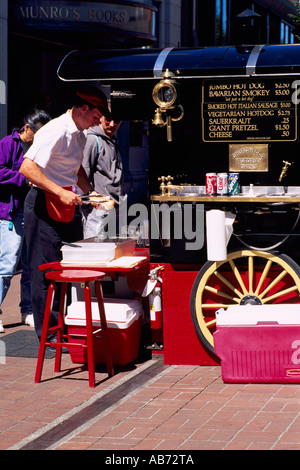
[165,95]
[169,186]
[284,169]
[162,186]
[158,119]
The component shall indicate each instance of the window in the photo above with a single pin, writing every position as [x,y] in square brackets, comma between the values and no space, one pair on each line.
[221,22]
[286,34]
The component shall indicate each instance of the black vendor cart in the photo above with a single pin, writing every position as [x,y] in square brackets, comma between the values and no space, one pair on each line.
[211,110]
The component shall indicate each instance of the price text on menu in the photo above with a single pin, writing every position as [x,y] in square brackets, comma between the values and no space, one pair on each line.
[257,110]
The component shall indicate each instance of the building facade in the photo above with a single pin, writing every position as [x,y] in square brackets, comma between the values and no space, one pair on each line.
[233,22]
[37,34]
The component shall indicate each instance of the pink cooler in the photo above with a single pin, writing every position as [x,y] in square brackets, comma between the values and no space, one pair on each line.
[259,343]
[124,321]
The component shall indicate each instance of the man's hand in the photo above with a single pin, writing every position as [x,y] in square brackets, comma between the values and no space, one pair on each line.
[69,198]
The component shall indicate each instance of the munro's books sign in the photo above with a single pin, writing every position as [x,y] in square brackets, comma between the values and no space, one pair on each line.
[80,15]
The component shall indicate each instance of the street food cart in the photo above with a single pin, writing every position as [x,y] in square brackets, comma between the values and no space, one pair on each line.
[230,110]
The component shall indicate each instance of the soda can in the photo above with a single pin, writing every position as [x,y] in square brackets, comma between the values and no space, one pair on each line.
[211,183]
[222,183]
[234,183]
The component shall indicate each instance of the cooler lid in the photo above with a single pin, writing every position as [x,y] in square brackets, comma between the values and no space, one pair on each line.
[120,313]
[283,314]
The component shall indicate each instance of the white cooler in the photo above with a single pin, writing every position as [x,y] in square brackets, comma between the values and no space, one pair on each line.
[124,321]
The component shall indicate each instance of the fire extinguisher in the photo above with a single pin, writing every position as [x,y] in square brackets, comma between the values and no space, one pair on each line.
[153,289]
[155,308]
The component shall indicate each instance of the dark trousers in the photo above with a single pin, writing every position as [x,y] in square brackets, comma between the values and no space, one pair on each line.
[43,238]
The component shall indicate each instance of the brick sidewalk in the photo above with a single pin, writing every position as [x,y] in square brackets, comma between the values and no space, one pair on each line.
[178,408]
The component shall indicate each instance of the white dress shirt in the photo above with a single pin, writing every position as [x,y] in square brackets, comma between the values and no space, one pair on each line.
[57,149]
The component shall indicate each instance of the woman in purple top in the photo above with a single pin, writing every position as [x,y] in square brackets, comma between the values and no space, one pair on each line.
[12,194]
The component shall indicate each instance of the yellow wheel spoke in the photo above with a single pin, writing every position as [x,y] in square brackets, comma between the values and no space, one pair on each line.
[263,276]
[250,274]
[211,323]
[273,283]
[220,293]
[238,277]
[279,294]
[228,284]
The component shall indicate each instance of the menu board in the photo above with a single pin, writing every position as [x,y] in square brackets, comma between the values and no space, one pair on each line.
[250,109]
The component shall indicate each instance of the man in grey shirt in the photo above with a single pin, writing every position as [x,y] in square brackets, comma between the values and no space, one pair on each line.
[103,165]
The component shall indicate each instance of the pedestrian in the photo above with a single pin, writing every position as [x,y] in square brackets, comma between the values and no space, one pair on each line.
[103,165]
[53,166]
[14,188]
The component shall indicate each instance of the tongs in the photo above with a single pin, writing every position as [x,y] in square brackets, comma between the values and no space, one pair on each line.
[73,245]
[85,197]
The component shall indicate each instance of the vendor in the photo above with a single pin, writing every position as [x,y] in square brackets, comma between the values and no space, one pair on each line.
[53,166]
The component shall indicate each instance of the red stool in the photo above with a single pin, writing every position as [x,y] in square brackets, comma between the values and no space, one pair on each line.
[65,277]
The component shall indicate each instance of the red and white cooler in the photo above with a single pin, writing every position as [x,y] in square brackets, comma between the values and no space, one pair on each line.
[124,321]
[259,343]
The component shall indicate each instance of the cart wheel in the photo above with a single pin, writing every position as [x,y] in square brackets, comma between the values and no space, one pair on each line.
[246,277]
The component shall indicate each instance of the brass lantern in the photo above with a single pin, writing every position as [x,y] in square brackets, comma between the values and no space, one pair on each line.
[164,94]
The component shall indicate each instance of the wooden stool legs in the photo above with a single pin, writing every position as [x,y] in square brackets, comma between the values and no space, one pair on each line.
[107,349]
[44,335]
[89,336]
[59,330]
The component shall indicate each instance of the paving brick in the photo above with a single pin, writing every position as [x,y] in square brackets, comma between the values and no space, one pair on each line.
[184,408]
